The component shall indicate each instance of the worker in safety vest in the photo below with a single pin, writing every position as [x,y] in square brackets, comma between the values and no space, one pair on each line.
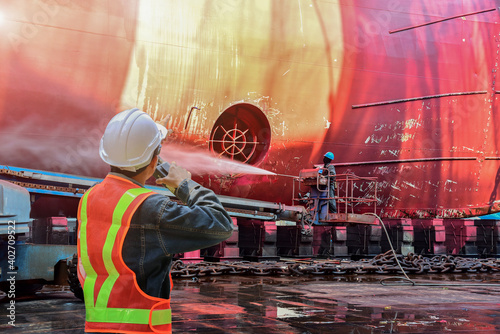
[329,169]
[127,234]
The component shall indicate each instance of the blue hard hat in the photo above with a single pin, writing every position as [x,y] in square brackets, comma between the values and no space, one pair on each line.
[329,155]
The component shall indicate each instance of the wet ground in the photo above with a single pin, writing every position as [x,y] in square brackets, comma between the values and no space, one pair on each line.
[322,304]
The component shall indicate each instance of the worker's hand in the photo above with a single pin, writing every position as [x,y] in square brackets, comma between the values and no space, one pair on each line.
[164,120]
[169,132]
[176,174]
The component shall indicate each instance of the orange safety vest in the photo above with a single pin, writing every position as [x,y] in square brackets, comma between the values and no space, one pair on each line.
[113,300]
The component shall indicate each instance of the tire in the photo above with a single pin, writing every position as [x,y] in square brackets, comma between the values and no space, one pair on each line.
[74,283]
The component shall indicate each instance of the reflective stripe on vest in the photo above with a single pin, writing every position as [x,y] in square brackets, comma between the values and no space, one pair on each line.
[100,312]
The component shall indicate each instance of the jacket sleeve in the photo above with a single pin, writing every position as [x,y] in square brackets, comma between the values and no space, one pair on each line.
[202,222]
[331,170]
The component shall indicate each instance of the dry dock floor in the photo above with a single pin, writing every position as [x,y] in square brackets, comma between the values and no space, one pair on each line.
[298,304]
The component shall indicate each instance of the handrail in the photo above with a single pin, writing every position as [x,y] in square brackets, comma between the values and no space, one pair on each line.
[346,193]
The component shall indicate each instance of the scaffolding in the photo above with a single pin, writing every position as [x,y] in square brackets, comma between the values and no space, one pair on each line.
[354,196]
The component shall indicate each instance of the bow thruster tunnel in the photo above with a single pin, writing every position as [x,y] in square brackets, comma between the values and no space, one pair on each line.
[241,133]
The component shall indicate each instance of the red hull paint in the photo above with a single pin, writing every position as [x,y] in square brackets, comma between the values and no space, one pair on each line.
[417,108]
[453,139]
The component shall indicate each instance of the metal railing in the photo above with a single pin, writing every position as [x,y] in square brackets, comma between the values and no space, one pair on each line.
[351,184]
[350,190]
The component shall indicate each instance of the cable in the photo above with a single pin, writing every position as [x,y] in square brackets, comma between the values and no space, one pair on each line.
[390,244]
[406,280]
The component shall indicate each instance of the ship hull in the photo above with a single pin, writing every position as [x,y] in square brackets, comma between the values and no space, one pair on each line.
[403,91]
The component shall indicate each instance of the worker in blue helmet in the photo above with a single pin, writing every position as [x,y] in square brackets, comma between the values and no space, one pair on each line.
[328,166]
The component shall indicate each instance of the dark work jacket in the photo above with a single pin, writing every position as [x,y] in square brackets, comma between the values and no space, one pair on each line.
[332,202]
[331,170]
[161,228]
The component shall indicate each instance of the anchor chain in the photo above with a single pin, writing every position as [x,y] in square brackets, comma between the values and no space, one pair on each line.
[384,264]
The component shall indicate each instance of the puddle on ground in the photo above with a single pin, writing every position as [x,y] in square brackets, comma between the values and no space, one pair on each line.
[301,305]
[306,305]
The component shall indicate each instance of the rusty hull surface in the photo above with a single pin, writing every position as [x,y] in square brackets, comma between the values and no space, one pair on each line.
[229,304]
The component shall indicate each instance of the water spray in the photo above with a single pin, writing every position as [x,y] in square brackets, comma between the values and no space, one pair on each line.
[201,162]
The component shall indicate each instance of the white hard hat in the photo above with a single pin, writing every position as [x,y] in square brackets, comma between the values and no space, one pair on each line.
[129,141]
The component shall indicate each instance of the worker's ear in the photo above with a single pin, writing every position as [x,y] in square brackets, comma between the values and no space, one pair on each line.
[154,161]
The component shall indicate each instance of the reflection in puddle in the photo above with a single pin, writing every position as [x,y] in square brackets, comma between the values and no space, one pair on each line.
[299,304]
[339,305]
[283,312]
